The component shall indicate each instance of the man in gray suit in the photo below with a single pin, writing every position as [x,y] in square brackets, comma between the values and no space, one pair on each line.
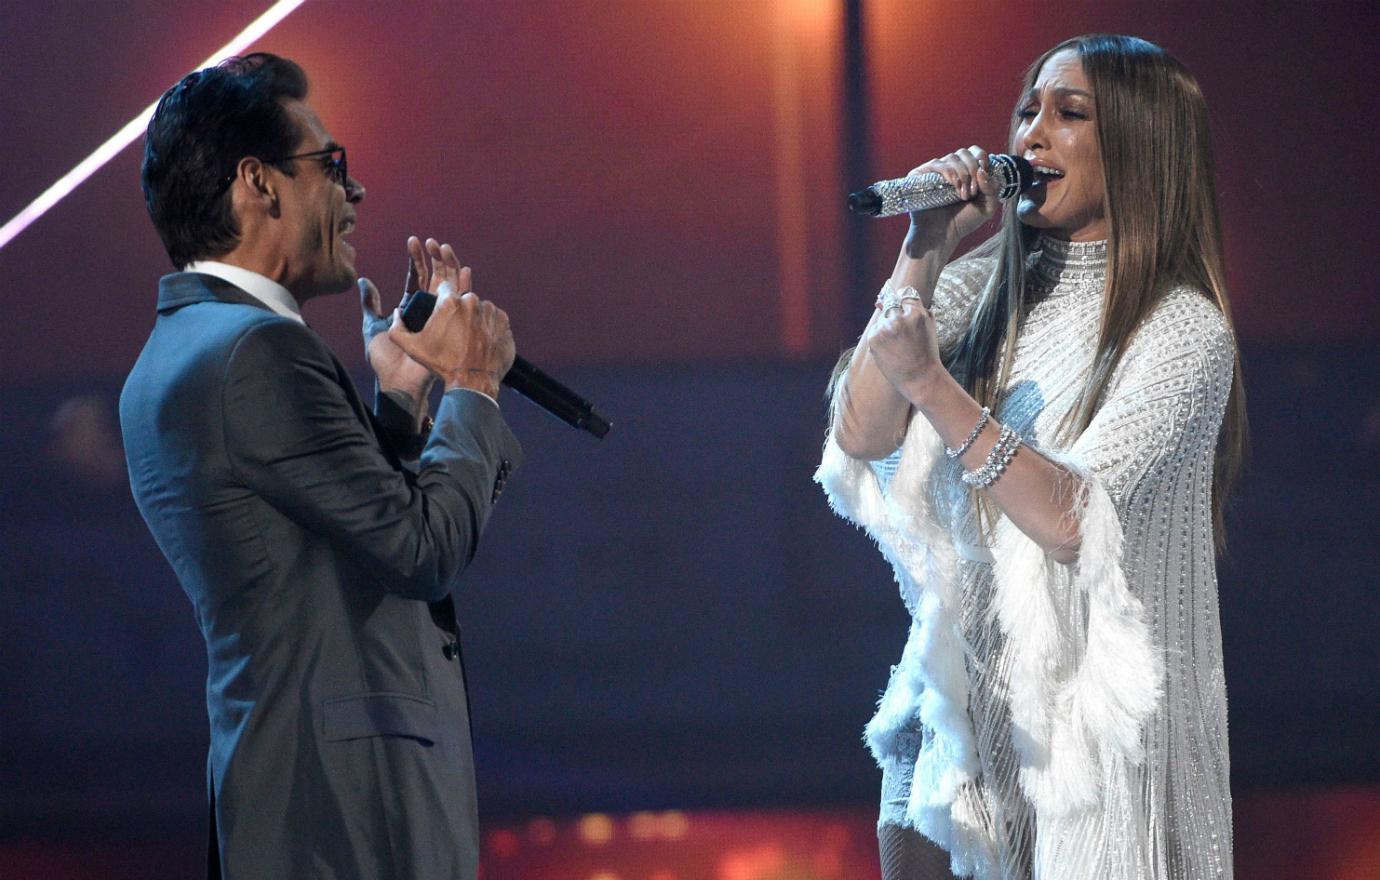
[317,541]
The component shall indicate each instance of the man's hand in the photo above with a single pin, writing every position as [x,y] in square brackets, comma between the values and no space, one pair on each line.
[467,341]
[399,375]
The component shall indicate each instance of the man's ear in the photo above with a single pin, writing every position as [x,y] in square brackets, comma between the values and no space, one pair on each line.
[258,185]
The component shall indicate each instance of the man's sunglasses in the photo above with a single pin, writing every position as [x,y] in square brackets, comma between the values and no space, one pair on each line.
[335,165]
[336,169]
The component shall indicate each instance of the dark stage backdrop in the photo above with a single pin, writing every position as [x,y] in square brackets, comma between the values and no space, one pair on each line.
[660,181]
[653,190]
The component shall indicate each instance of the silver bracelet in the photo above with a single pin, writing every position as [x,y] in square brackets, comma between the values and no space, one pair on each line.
[997,460]
[972,435]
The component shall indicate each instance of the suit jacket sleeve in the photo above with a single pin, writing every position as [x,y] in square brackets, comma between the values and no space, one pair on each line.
[397,428]
[293,436]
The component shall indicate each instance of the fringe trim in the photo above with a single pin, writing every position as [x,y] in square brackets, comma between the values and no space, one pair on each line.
[1074,712]
[851,487]
[1079,700]
[930,684]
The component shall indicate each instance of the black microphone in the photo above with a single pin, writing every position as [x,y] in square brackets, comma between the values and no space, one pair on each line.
[922,192]
[524,378]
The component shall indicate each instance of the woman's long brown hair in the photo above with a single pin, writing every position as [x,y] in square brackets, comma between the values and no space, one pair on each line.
[1164,232]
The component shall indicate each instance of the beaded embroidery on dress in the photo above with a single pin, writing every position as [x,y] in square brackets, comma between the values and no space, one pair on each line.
[1070,720]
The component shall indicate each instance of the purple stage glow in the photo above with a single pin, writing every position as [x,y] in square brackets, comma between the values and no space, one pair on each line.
[132,129]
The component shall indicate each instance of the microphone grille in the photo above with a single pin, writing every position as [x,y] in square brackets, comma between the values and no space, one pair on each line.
[1013,174]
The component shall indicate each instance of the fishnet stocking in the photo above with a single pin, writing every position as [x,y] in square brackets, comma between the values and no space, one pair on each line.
[909,855]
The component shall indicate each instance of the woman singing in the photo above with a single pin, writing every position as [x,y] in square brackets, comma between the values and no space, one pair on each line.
[1038,436]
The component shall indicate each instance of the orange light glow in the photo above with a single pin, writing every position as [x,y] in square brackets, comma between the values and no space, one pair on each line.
[596,829]
[758,863]
[671,825]
[792,233]
[799,845]
[814,19]
[674,825]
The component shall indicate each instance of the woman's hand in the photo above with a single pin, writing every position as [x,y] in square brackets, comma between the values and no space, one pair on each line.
[896,364]
[966,171]
[904,345]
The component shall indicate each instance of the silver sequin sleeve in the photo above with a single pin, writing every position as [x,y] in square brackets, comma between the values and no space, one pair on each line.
[956,295]
[1152,446]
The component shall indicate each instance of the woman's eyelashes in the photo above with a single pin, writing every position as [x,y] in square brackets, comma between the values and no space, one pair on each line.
[1064,112]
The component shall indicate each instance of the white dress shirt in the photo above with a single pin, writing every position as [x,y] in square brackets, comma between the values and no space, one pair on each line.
[261,287]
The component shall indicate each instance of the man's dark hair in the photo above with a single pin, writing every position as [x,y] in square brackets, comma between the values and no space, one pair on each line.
[202,128]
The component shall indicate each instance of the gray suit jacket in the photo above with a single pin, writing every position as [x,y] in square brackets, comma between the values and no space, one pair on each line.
[319,564]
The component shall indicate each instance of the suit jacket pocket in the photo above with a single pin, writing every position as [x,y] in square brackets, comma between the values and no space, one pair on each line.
[379,714]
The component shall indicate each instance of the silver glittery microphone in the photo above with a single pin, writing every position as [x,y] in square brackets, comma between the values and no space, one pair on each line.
[921,192]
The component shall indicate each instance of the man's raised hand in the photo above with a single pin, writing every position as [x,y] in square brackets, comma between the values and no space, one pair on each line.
[467,341]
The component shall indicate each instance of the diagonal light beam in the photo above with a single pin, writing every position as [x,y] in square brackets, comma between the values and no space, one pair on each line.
[127,135]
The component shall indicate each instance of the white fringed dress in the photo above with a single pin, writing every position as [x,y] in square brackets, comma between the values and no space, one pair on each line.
[1048,721]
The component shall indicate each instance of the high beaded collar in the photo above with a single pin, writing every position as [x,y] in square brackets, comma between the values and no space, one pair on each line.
[1081,263]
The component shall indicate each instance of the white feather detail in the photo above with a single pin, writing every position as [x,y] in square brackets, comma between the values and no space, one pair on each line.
[931,682]
[850,486]
[1079,699]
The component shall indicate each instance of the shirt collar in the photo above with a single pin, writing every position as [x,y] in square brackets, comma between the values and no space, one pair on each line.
[261,287]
